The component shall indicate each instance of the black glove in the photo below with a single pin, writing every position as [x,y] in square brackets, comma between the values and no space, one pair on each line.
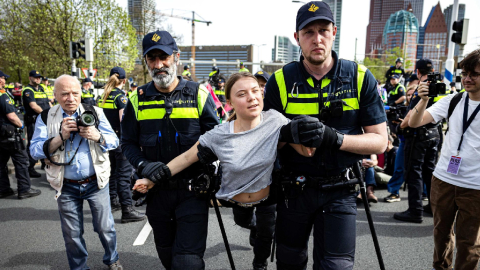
[205,155]
[154,171]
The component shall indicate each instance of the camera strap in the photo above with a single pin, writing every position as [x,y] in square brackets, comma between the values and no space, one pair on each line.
[46,151]
[466,123]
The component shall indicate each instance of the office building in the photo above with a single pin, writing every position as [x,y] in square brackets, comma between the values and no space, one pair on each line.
[284,50]
[434,39]
[336,7]
[401,30]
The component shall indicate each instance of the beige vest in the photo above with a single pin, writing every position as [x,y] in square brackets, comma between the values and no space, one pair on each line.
[54,173]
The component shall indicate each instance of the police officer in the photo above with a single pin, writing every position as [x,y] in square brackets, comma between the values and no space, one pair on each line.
[48,89]
[11,145]
[133,88]
[35,100]
[163,119]
[113,102]
[186,71]
[344,96]
[421,149]
[396,95]
[243,68]
[87,95]
[219,90]
[262,78]
[397,69]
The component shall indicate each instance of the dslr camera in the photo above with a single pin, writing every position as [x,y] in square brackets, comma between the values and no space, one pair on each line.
[86,119]
[435,88]
[395,112]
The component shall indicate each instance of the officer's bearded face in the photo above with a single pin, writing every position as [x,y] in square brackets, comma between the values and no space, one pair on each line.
[35,81]
[316,40]
[2,82]
[163,70]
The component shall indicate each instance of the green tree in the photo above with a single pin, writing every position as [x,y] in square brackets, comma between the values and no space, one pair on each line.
[37,36]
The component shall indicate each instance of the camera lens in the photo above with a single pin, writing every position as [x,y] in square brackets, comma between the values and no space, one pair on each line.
[88,119]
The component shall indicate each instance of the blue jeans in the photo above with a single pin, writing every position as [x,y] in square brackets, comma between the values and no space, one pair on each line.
[370,177]
[70,207]
[397,179]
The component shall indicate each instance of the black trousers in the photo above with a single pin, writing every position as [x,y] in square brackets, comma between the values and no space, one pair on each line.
[30,131]
[332,215]
[120,172]
[20,161]
[180,224]
[420,159]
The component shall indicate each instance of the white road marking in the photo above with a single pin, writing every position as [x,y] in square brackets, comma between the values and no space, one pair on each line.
[143,235]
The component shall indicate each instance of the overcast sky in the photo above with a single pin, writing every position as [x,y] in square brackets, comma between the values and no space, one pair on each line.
[258,21]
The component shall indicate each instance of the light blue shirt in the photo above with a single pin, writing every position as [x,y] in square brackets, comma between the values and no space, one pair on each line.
[82,164]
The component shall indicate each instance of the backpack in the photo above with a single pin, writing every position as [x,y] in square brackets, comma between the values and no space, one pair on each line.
[451,107]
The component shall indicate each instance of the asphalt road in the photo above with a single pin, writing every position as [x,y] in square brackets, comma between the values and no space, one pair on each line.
[31,237]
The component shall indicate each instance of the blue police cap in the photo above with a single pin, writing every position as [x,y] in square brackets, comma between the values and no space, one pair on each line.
[312,11]
[45,79]
[34,74]
[395,76]
[118,70]
[87,80]
[262,74]
[134,84]
[161,40]
[4,75]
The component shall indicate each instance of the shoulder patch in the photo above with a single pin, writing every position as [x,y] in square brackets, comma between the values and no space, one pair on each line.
[9,101]
[124,99]
[27,94]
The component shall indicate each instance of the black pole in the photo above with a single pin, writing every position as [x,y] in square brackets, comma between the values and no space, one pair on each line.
[356,170]
[272,256]
[224,234]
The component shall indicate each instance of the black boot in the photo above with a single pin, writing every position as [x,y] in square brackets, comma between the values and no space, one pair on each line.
[131,215]
[33,173]
[260,265]
[115,204]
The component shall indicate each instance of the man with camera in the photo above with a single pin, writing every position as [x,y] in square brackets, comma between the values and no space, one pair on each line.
[455,192]
[35,100]
[163,119]
[11,145]
[344,96]
[421,148]
[75,139]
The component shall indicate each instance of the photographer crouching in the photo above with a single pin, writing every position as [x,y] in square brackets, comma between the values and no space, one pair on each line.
[455,192]
[421,148]
[75,139]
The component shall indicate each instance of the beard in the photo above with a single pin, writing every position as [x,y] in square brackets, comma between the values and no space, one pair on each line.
[316,61]
[163,80]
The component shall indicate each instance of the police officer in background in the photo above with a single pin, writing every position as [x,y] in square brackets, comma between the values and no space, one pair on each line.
[243,68]
[113,102]
[48,89]
[344,96]
[397,69]
[186,71]
[87,95]
[219,90]
[163,119]
[35,100]
[396,95]
[262,78]
[421,149]
[11,145]
[133,88]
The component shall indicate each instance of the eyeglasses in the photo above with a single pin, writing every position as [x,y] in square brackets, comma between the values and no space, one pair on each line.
[472,76]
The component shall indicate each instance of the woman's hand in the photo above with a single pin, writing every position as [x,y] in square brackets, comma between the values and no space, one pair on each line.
[143,185]
[303,150]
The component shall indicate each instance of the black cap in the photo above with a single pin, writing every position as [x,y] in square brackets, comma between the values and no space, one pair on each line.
[262,74]
[45,79]
[34,74]
[87,80]
[395,76]
[452,84]
[186,67]
[4,75]
[134,84]
[312,11]
[241,64]
[424,63]
[221,80]
[214,68]
[118,70]
[161,40]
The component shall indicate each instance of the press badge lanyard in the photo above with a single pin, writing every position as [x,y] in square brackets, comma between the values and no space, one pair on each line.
[454,165]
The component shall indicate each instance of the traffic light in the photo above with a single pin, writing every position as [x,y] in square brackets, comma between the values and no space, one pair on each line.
[77,49]
[461,28]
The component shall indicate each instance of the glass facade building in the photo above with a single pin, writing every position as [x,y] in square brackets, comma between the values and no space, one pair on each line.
[284,50]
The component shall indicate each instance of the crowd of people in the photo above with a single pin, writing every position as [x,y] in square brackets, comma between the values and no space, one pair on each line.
[279,143]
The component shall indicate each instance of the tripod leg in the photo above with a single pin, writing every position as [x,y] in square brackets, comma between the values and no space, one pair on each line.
[222,230]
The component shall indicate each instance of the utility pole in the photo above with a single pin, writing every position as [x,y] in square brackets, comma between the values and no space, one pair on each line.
[449,67]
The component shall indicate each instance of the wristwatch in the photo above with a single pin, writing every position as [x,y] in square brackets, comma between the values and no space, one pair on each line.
[101,140]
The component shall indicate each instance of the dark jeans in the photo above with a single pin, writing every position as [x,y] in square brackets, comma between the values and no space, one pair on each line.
[20,161]
[420,158]
[179,221]
[332,214]
[120,172]
[30,131]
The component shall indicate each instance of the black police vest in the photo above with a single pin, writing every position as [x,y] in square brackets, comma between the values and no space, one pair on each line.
[169,124]
[111,110]
[3,116]
[88,98]
[41,99]
[300,96]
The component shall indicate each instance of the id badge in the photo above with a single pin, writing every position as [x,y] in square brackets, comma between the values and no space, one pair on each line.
[454,165]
